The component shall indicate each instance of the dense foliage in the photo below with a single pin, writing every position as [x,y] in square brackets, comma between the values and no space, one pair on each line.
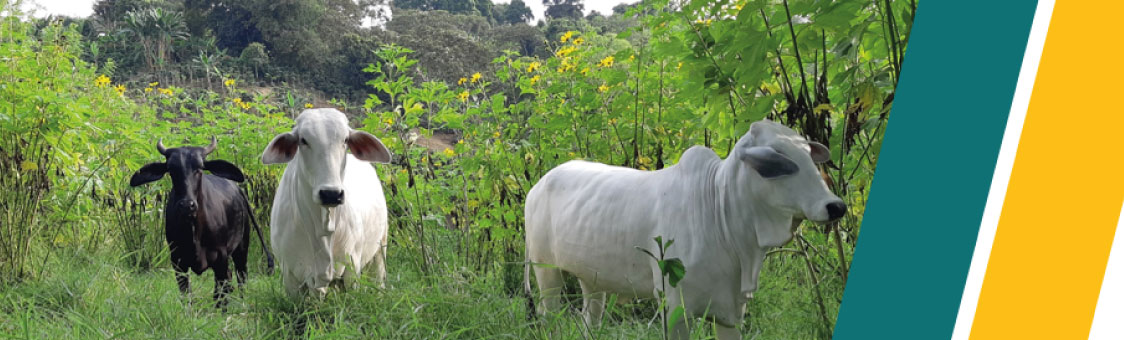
[475,108]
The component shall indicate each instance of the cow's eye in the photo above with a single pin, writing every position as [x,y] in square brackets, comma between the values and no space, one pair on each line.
[304,142]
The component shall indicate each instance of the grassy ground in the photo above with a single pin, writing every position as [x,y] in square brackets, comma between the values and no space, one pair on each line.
[85,296]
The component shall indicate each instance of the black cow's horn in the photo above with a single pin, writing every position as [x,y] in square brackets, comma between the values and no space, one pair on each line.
[211,148]
[160,147]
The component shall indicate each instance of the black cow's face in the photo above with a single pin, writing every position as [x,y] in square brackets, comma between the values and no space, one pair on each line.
[186,165]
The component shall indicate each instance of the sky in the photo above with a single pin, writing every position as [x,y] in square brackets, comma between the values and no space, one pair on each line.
[70,8]
[605,7]
[83,8]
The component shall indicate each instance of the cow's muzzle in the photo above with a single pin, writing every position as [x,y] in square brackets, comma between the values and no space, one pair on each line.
[836,210]
[189,207]
[331,197]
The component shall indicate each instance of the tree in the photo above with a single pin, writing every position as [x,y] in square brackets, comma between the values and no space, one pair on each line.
[116,41]
[571,9]
[449,46]
[255,56]
[623,8]
[231,23]
[157,30]
[472,7]
[525,39]
[516,12]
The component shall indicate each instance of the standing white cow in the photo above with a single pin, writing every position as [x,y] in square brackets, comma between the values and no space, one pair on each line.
[587,218]
[329,214]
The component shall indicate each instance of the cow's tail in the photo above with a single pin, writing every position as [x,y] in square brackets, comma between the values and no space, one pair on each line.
[527,292]
[257,228]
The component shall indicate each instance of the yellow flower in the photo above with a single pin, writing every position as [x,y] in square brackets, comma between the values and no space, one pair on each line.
[632,58]
[533,66]
[565,51]
[566,65]
[571,154]
[101,81]
[496,134]
[679,66]
[388,121]
[147,90]
[308,105]
[612,121]
[166,92]
[245,106]
[120,90]
[578,41]
[228,82]
[607,62]
[460,142]
[475,77]
[450,153]
[463,96]
[461,81]
[602,88]
[567,36]
[585,71]
[237,100]
[534,79]
[153,84]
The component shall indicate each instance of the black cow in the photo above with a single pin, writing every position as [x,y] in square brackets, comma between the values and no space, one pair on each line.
[207,218]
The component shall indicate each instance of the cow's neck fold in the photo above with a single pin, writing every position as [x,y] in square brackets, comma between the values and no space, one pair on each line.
[741,209]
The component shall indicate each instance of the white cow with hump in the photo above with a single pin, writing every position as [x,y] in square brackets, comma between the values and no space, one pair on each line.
[587,218]
[329,215]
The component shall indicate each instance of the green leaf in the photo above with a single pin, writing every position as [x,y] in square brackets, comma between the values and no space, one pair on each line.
[674,270]
[676,315]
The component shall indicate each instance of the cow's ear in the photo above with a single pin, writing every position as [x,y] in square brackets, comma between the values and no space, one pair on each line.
[224,169]
[820,153]
[281,149]
[148,173]
[367,147]
[768,162]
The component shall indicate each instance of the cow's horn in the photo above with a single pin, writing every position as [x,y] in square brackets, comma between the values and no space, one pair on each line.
[160,147]
[211,148]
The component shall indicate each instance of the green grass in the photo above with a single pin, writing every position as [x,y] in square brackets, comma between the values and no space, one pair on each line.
[86,296]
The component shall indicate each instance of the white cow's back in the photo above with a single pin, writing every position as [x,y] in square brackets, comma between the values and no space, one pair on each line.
[588,218]
[575,222]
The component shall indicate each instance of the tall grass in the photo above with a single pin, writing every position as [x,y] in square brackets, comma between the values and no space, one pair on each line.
[25,167]
[100,295]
